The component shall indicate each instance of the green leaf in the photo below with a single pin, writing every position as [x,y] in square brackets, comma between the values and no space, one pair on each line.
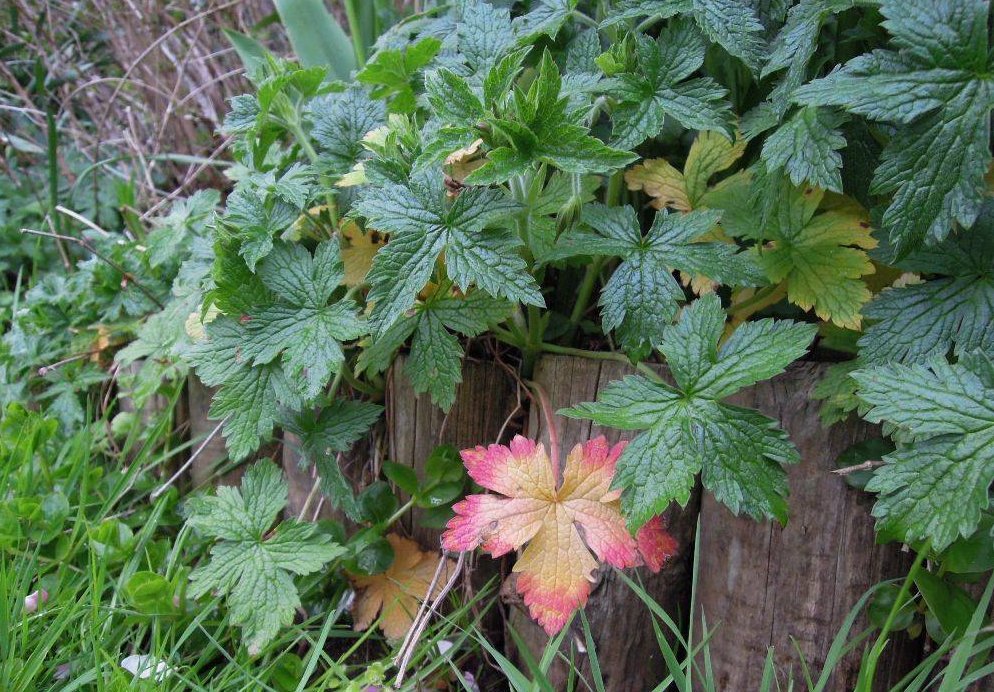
[443,465]
[937,90]
[243,116]
[301,326]
[625,10]
[821,256]
[734,26]
[326,433]
[249,398]
[253,222]
[952,606]
[150,593]
[544,17]
[688,430]
[952,312]
[401,476]
[250,52]
[540,129]
[973,555]
[806,147]
[252,566]
[659,86]
[340,121]
[377,503]
[937,488]
[316,37]
[452,98]
[795,44]
[423,223]
[392,72]
[435,362]
[642,296]
[441,494]
[372,553]
[484,34]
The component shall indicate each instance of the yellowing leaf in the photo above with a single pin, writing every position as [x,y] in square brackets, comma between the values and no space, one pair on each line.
[662,182]
[100,342]
[358,251]
[821,256]
[462,162]
[710,153]
[195,321]
[355,177]
[565,523]
[315,217]
[399,591]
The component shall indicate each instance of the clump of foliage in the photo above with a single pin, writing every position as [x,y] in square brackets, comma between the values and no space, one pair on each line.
[471,183]
[717,187]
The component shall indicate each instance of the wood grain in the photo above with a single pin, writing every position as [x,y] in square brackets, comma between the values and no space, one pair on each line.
[415,426]
[763,585]
[621,625]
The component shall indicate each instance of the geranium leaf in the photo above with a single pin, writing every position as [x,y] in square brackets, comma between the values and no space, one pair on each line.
[561,523]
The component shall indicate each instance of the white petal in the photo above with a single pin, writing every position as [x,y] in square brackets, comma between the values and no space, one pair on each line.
[143,667]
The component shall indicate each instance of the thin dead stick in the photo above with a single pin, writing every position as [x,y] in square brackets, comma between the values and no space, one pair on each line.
[82,219]
[510,416]
[190,177]
[152,46]
[45,369]
[89,248]
[310,495]
[865,466]
[424,615]
[317,509]
[63,253]
[189,462]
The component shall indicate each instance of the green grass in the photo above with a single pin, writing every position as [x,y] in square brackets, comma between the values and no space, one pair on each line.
[94,558]
[76,520]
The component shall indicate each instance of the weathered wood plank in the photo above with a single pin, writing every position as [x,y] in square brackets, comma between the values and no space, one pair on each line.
[621,625]
[202,470]
[357,465]
[763,585]
[415,426]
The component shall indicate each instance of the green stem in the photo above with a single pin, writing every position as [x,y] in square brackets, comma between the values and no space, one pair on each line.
[53,183]
[601,355]
[337,382]
[355,32]
[612,197]
[533,345]
[583,296]
[867,674]
[581,18]
[400,512]
[298,132]
[615,188]
[508,336]
[763,298]
[358,385]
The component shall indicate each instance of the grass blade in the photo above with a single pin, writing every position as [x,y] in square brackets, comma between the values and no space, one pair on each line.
[316,37]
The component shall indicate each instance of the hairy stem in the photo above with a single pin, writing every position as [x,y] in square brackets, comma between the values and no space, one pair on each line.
[601,355]
[400,512]
[550,425]
[583,294]
[764,298]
